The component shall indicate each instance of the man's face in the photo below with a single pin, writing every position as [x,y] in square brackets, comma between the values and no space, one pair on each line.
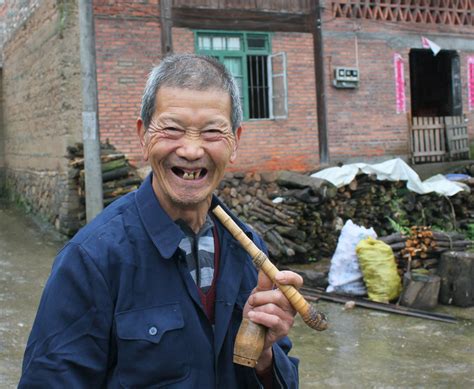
[189,144]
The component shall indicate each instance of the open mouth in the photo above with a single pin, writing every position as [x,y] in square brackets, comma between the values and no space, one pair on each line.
[189,174]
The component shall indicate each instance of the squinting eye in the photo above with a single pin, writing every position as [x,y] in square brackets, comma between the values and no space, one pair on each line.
[212,134]
[173,131]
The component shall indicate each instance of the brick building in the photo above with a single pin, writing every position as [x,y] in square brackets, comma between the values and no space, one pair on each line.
[378,79]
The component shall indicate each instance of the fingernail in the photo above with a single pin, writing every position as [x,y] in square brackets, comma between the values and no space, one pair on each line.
[251,314]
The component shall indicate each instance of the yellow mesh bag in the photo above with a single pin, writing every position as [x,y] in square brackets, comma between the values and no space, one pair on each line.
[379,269]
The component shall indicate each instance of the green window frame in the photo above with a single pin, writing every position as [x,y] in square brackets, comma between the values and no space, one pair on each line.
[235,49]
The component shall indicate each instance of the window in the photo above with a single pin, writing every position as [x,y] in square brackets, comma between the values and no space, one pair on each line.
[261,77]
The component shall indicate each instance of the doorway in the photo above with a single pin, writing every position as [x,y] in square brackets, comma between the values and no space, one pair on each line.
[435,83]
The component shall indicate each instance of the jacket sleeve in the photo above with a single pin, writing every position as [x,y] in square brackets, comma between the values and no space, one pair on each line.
[285,368]
[69,343]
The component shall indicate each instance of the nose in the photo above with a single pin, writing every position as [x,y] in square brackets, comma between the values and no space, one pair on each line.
[190,148]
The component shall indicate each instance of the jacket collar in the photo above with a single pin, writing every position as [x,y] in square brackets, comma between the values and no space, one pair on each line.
[163,231]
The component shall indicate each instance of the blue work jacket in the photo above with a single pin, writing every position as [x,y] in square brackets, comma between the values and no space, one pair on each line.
[120,309]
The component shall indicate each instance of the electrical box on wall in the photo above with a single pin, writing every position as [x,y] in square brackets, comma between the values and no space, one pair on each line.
[346,78]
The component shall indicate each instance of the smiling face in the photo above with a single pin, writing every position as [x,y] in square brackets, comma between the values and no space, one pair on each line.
[189,143]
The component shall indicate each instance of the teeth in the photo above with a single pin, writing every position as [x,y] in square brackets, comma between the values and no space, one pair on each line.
[191,175]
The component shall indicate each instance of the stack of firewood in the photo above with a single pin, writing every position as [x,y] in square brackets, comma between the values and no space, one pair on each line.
[300,217]
[422,247]
[283,208]
[118,176]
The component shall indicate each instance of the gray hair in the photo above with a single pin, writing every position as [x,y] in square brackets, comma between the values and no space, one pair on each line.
[194,72]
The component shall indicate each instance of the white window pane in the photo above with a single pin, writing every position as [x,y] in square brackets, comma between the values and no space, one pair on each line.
[233,43]
[218,43]
[204,43]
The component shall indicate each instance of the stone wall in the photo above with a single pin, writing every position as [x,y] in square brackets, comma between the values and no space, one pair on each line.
[42,110]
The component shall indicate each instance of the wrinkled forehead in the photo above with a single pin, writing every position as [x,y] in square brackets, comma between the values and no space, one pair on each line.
[193,105]
[178,87]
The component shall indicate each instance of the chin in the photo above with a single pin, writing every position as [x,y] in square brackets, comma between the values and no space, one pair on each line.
[191,201]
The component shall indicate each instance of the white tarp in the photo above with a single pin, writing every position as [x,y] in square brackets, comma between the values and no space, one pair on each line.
[392,170]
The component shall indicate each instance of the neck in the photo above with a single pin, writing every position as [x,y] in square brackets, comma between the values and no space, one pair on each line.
[194,218]
[194,215]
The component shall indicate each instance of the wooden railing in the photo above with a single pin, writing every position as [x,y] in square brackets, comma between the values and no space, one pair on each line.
[438,139]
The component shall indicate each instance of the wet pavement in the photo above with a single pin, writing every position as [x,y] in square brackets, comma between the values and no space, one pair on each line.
[362,349]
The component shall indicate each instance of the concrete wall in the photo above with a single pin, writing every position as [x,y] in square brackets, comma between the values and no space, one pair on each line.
[2,141]
[42,110]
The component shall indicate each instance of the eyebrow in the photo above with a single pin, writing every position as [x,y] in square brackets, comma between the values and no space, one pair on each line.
[167,117]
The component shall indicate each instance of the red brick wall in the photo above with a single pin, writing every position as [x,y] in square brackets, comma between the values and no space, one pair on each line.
[127,46]
[362,123]
[291,143]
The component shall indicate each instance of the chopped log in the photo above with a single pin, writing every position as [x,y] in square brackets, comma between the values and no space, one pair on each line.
[456,270]
[297,180]
[114,164]
[123,182]
[393,238]
[292,232]
[454,243]
[397,246]
[445,236]
[114,174]
[420,291]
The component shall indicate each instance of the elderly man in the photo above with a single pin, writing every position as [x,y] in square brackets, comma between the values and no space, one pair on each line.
[151,293]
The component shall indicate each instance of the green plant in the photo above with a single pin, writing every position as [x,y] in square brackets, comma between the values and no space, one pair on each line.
[405,230]
[470,231]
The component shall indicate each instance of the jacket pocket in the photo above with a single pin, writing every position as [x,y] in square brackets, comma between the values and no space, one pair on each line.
[151,349]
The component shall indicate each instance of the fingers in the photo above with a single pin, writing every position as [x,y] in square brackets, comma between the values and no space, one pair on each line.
[270,307]
[264,282]
[274,296]
[277,322]
[286,277]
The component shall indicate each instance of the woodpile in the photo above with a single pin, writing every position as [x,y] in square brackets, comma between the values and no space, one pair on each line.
[422,247]
[284,208]
[300,217]
[118,176]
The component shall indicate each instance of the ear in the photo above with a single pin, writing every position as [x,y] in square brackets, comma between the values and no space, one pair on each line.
[233,156]
[141,132]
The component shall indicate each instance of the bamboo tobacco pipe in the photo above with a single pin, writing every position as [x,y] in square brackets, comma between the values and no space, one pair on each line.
[250,338]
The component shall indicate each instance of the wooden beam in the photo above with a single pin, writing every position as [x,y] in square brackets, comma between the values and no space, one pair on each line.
[315,294]
[234,19]
[316,29]
[166,20]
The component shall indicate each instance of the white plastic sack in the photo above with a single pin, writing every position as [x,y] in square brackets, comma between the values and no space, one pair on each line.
[345,275]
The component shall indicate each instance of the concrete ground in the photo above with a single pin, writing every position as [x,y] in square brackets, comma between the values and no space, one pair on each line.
[361,349]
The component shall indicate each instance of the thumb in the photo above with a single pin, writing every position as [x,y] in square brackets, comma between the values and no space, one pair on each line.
[264,282]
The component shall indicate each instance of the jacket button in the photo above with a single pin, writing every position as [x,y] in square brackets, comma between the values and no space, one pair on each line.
[152,331]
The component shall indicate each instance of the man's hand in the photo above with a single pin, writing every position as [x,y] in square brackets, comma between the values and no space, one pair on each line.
[270,307]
